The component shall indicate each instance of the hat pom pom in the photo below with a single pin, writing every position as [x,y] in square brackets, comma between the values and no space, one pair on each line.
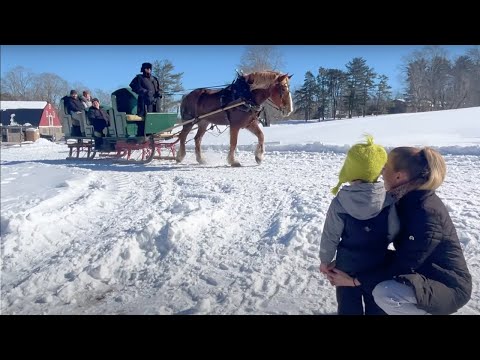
[369,139]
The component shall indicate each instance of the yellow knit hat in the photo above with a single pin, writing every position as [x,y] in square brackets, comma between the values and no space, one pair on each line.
[364,162]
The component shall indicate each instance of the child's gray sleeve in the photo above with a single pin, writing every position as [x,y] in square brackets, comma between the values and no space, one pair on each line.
[332,232]
[393,223]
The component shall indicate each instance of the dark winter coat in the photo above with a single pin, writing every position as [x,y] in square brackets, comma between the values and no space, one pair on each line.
[361,221]
[148,90]
[364,243]
[428,256]
[73,105]
[98,118]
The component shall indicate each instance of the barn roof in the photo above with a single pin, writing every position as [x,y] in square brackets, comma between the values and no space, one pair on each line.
[7,105]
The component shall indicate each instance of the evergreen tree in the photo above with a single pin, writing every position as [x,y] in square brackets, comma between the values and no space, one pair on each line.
[383,94]
[306,97]
[322,85]
[170,83]
[336,84]
[359,84]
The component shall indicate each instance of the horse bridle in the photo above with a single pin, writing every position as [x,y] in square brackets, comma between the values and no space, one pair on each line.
[282,91]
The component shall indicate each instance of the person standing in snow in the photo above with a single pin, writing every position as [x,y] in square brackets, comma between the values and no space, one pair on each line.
[360,223]
[427,273]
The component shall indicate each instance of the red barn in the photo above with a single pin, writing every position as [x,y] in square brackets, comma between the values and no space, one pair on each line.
[36,113]
[50,122]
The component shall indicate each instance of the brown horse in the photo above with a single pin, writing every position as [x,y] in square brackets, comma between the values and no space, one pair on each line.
[253,89]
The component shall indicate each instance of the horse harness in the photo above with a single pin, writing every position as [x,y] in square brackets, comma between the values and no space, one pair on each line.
[239,90]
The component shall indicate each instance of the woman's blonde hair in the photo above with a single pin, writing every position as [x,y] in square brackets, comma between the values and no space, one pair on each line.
[424,166]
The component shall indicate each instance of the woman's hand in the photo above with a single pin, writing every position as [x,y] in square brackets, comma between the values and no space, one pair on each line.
[326,267]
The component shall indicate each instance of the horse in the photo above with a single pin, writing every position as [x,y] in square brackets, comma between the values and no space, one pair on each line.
[238,106]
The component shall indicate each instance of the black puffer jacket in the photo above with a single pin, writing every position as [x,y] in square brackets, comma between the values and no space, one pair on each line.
[428,256]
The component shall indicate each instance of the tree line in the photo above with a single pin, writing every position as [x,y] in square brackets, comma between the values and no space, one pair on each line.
[432,82]
[21,84]
[435,82]
[333,93]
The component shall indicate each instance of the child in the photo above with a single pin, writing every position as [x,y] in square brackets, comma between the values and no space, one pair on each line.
[361,221]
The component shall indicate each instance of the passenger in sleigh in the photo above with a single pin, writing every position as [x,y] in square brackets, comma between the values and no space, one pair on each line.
[100,121]
[75,108]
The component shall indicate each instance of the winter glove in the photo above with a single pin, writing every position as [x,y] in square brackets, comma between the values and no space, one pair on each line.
[158,95]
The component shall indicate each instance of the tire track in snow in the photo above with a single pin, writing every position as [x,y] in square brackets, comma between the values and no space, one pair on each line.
[195,239]
[245,266]
[60,254]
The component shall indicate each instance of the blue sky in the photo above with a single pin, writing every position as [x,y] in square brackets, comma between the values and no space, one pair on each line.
[109,67]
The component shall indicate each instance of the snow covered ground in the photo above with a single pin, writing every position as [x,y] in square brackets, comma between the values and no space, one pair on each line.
[162,238]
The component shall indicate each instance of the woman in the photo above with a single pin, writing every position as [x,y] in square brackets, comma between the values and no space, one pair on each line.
[427,274]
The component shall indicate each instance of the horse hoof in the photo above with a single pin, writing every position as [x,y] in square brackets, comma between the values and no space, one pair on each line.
[202,162]
[258,160]
[236,164]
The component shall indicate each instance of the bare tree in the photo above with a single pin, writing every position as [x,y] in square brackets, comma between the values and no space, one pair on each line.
[474,54]
[428,78]
[79,86]
[474,93]
[18,82]
[49,87]
[461,83]
[6,97]
[261,58]
[438,78]
[416,92]
[104,96]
